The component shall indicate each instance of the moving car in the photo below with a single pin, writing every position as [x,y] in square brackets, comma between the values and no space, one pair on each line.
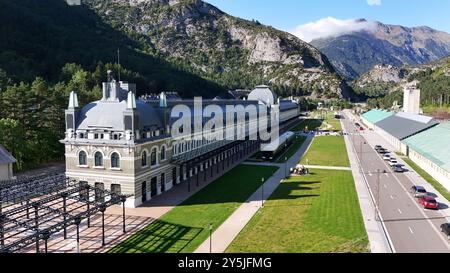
[429,202]
[398,168]
[419,191]
[445,228]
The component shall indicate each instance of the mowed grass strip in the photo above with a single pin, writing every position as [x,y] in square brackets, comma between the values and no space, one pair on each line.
[438,186]
[308,124]
[327,151]
[331,120]
[185,227]
[317,213]
[290,152]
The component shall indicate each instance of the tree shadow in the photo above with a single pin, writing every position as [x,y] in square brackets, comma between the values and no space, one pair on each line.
[159,237]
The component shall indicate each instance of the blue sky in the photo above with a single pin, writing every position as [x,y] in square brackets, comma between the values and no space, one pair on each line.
[289,14]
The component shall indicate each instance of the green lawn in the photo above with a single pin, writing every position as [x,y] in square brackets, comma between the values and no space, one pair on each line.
[327,151]
[335,123]
[295,146]
[441,189]
[308,124]
[318,213]
[185,227]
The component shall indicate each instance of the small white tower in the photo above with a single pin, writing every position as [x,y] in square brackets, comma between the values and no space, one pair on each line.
[73,2]
[411,99]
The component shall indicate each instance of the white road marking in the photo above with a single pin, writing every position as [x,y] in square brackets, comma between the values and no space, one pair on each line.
[385,186]
[387,175]
[400,211]
[392,197]
[410,230]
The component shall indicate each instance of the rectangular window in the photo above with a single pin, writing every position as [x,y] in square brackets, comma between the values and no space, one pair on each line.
[84,193]
[116,189]
[99,192]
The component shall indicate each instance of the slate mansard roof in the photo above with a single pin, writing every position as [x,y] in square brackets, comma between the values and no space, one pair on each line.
[109,116]
[5,156]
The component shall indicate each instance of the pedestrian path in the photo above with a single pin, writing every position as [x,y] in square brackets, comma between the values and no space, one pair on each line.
[377,237]
[227,232]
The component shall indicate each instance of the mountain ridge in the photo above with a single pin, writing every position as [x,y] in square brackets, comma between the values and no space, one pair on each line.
[355,53]
[233,52]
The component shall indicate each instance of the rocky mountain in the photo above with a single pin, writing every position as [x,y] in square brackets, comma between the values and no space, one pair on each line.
[232,52]
[353,54]
[385,82]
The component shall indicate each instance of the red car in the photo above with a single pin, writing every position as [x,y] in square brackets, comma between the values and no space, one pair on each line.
[429,202]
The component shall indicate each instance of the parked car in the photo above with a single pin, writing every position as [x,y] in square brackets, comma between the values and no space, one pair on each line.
[429,202]
[383,151]
[418,191]
[393,162]
[387,157]
[398,168]
[378,147]
[445,228]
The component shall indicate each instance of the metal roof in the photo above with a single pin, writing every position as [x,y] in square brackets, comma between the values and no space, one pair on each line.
[374,116]
[433,144]
[109,115]
[403,125]
[5,156]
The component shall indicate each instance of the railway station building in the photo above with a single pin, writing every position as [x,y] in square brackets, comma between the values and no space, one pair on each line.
[125,145]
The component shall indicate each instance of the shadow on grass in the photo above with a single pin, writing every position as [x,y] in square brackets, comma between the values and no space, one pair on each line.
[288,191]
[158,237]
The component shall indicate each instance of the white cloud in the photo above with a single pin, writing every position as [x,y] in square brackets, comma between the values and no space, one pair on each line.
[330,27]
[374,2]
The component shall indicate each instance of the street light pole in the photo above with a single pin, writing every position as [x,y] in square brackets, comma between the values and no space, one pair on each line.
[285,167]
[262,193]
[210,238]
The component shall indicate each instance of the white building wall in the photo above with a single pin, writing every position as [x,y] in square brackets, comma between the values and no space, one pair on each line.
[367,123]
[441,175]
[4,172]
[396,143]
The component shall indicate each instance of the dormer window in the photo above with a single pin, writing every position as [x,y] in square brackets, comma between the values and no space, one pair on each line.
[95,136]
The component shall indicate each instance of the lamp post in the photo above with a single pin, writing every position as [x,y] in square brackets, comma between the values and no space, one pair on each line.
[285,167]
[262,192]
[123,199]
[77,223]
[210,237]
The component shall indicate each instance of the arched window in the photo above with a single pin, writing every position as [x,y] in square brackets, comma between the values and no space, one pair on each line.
[163,153]
[82,158]
[115,160]
[144,158]
[98,159]
[153,161]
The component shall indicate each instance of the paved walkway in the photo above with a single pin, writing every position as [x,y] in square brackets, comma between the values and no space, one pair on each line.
[378,239]
[228,231]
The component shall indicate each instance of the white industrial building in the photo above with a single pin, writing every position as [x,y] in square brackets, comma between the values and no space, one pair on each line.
[6,164]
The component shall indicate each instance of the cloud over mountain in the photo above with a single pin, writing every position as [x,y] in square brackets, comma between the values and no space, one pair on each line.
[374,2]
[331,27]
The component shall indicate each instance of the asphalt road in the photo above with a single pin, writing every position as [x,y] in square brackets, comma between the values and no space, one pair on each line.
[411,228]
